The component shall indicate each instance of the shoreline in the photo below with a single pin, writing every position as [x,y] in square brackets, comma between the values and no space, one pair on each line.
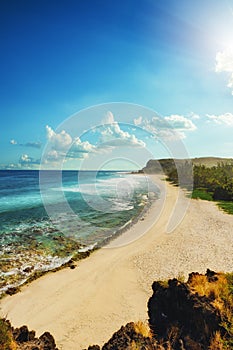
[82,253]
[87,305]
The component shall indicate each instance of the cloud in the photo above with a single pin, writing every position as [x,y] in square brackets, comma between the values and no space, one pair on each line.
[222,119]
[172,127]
[31,144]
[180,123]
[109,118]
[28,144]
[224,63]
[113,136]
[193,116]
[61,141]
[62,146]
[25,160]
[52,156]
[82,146]
[13,142]
[137,121]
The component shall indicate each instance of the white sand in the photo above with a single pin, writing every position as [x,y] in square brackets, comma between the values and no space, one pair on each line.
[87,305]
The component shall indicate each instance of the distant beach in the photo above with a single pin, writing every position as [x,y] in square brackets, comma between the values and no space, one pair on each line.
[88,304]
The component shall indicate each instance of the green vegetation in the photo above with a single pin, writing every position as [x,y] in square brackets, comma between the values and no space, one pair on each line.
[209,183]
[226,206]
[201,193]
[215,183]
[212,177]
[217,180]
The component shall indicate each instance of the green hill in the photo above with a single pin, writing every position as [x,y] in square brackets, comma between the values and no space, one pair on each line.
[166,165]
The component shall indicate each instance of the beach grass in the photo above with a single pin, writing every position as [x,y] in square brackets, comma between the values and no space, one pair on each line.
[201,193]
[226,206]
[6,338]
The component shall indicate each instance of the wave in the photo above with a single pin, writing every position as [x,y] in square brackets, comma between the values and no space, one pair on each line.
[86,249]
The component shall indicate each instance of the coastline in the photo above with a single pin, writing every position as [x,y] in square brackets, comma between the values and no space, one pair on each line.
[85,306]
[30,269]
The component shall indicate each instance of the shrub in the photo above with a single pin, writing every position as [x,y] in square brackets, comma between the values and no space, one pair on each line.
[6,337]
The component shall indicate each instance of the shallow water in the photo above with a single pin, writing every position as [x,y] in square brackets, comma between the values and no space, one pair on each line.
[47,217]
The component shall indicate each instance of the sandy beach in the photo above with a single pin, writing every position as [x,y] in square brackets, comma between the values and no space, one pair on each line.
[87,305]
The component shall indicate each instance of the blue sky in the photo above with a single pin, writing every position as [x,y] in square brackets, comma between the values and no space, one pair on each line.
[59,57]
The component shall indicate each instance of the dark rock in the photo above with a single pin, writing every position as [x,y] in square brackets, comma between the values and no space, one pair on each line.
[211,276]
[126,338]
[22,334]
[26,339]
[12,290]
[94,347]
[28,269]
[84,255]
[176,311]
[48,341]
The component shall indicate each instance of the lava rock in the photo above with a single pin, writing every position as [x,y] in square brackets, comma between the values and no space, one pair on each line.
[189,317]
[22,334]
[48,341]
[126,338]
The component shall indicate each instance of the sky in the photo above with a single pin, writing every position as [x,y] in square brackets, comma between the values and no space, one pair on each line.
[158,73]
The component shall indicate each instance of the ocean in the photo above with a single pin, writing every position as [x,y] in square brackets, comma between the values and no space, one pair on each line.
[48,217]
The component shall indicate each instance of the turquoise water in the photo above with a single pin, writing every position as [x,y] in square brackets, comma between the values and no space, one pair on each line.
[47,217]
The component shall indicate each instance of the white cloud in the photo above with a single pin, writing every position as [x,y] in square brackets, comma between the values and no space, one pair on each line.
[173,126]
[224,63]
[62,146]
[222,119]
[193,116]
[61,141]
[26,160]
[52,156]
[80,149]
[109,118]
[82,146]
[13,142]
[28,144]
[138,121]
[113,136]
[180,123]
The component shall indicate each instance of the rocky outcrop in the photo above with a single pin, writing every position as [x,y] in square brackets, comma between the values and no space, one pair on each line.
[179,315]
[180,318]
[23,339]
[126,338]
